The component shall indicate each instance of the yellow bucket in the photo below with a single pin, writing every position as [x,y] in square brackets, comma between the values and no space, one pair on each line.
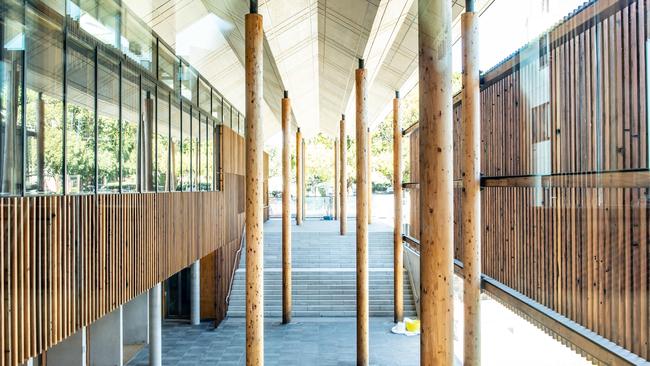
[412,325]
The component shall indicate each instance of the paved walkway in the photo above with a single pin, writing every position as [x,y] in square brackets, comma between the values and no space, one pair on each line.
[307,341]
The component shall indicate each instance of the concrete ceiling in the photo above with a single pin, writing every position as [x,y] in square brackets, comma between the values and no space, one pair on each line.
[311,48]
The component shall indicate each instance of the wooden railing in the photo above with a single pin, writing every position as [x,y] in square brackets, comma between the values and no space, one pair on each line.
[565,169]
[68,260]
[589,343]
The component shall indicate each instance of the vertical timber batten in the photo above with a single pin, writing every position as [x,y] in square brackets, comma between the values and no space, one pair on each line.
[369,180]
[298,177]
[254,177]
[471,191]
[362,215]
[286,211]
[398,259]
[343,190]
[436,183]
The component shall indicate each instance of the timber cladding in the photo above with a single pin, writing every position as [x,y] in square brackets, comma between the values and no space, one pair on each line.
[68,260]
[571,107]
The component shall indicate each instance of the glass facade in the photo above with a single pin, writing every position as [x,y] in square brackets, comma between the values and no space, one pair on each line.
[92,104]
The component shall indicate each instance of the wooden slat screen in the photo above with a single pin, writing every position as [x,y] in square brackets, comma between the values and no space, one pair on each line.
[68,260]
[578,247]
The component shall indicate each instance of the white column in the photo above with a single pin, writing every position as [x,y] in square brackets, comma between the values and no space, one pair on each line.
[155,326]
[70,351]
[195,293]
[106,340]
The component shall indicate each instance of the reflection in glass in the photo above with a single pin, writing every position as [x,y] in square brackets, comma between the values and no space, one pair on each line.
[175,147]
[188,83]
[186,148]
[108,126]
[99,18]
[138,43]
[167,67]
[162,142]
[227,114]
[196,151]
[204,95]
[147,135]
[217,108]
[44,108]
[80,120]
[11,99]
[130,118]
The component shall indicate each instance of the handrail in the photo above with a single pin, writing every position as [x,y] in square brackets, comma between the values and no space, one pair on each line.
[410,185]
[410,129]
[236,264]
[574,333]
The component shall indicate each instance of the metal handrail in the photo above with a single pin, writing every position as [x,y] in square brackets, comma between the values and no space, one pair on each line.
[236,264]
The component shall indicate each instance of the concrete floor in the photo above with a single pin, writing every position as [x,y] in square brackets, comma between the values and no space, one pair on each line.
[307,341]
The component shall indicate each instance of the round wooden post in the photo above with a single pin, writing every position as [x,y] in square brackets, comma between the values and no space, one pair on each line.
[436,183]
[302,182]
[336,178]
[398,259]
[298,177]
[254,178]
[369,181]
[471,193]
[286,210]
[343,184]
[362,216]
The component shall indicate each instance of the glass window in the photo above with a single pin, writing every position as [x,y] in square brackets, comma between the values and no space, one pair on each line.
[188,83]
[99,18]
[167,67]
[204,95]
[162,141]
[217,108]
[186,147]
[108,125]
[11,99]
[138,43]
[44,108]
[209,155]
[148,138]
[56,5]
[175,146]
[130,123]
[80,119]
[196,151]
[203,161]
[227,121]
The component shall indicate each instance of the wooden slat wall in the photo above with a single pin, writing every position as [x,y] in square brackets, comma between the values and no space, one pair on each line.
[581,251]
[68,260]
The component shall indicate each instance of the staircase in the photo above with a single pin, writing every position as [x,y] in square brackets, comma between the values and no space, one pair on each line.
[324,277]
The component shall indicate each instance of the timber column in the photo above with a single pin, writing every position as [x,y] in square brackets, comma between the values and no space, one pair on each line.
[362,216]
[369,181]
[336,178]
[298,177]
[471,193]
[436,183]
[254,177]
[302,182]
[343,190]
[398,259]
[286,211]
